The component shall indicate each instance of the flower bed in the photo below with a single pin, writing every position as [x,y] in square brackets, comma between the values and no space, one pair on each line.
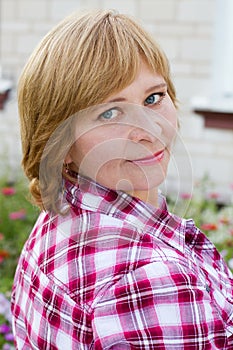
[17,217]
[212,216]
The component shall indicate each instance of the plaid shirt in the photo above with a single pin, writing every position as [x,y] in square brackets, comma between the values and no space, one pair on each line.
[116,273]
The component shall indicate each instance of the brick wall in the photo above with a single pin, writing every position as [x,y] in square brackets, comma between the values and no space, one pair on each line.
[185,30]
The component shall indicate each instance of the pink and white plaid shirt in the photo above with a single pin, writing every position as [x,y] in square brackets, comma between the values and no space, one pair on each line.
[116,273]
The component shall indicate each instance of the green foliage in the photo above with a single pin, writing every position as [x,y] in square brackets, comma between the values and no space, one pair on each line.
[17,216]
[210,214]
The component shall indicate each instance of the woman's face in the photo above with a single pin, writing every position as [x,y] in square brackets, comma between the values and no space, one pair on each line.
[125,143]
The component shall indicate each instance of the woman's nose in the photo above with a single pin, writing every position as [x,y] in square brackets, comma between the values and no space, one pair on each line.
[145,127]
[138,134]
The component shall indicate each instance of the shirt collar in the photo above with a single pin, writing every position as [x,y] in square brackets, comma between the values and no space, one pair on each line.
[91,196]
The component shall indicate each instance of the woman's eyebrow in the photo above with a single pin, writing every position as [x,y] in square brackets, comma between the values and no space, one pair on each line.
[156,87]
[150,89]
[117,99]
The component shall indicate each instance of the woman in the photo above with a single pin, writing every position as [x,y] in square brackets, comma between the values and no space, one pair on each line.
[106,265]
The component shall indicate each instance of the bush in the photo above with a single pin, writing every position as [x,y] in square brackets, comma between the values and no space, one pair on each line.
[210,214]
[17,217]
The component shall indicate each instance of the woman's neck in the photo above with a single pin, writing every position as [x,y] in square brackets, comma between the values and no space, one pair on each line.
[149,196]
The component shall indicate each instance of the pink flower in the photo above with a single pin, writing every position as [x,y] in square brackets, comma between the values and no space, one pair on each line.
[4,328]
[8,191]
[18,215]
[9,337]
[1,236]
[185,195]
[209,227]
[7,346]
[213,195]
[224,221]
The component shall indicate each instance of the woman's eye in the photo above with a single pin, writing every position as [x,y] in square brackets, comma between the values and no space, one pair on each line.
[110,114]
[154,99]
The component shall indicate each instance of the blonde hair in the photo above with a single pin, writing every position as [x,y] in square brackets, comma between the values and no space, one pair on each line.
[78,64]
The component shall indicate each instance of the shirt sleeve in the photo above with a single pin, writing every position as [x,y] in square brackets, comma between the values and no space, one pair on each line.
[158,306]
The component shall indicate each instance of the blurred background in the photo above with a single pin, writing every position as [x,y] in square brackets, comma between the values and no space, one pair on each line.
[196,35]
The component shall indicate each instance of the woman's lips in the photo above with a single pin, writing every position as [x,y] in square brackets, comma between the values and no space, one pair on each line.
[155,158]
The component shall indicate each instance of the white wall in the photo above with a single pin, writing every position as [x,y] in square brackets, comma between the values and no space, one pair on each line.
[185,30]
